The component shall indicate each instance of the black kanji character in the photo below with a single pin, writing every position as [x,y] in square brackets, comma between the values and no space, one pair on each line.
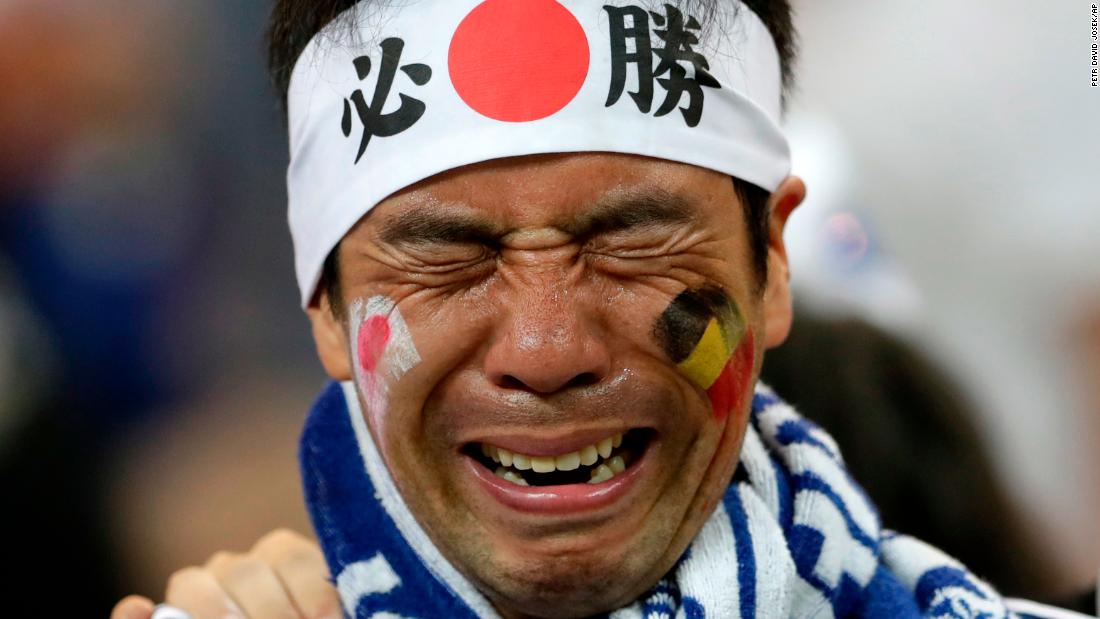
[375,123]
[641,57]
[679,37]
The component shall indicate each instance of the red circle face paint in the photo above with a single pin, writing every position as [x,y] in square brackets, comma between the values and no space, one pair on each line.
[374,334]
[518,60]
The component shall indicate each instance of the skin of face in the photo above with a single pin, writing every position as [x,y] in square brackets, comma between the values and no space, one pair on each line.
[533,288]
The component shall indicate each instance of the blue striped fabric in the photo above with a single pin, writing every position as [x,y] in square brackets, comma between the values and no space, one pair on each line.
[794,536]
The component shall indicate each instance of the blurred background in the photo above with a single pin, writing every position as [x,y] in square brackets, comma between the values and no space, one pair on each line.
[155,368]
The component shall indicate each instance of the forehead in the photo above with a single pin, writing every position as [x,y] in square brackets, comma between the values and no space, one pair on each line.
[559,189]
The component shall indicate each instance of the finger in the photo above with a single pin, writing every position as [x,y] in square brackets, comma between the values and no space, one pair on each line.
[254,586]
[133,607]
[301,567]
[198,592]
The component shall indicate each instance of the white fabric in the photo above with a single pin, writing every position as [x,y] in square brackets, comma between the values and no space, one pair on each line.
[738,132]
[164,611]
[365,578]
[1034,609]
[743,564]
[390,499]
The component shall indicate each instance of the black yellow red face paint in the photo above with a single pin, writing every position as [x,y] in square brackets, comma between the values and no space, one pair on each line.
[704,333]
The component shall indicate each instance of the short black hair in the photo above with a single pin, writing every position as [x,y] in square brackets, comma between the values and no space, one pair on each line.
[295,22]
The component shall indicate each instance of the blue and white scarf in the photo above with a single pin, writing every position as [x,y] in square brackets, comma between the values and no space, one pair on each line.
[794,536]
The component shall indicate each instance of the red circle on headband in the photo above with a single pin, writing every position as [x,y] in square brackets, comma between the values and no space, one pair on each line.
[518,60]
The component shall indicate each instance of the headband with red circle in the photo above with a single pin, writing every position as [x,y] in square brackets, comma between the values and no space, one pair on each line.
[391,94]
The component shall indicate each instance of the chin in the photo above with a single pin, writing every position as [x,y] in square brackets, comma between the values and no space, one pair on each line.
[553,590]
[562,579]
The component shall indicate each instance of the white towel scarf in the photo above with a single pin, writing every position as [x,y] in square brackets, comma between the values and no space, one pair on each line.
[794,536]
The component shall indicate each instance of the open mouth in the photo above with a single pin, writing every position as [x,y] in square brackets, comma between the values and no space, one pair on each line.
[594,464]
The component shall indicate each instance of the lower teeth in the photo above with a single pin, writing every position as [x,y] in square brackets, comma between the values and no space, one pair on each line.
[511,476]
[610,468]
[601,474]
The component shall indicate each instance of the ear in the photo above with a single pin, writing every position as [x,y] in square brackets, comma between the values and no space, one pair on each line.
[329,336]
[777,295]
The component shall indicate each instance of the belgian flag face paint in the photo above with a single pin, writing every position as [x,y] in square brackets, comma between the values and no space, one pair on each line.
[704,333]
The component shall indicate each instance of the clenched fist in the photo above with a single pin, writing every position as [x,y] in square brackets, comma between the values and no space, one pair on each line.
[283,576]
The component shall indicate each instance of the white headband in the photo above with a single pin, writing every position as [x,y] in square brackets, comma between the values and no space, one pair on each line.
[389,95]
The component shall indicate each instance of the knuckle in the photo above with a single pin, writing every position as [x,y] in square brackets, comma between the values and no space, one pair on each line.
[326,609]
[282,546]
[298,557]
[221,559]
[279,539]
[180,578]
[244,569]
[240,573]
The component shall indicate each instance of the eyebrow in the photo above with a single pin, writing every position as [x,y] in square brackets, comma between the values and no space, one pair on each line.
[423,227]
[634,210]
[637,209]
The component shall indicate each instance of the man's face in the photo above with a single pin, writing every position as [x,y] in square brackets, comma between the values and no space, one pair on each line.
[523,327]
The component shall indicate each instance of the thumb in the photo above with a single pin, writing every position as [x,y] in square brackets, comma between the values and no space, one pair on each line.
[133,607]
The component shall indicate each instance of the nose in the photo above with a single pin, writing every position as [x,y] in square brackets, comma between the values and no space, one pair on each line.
[547,345]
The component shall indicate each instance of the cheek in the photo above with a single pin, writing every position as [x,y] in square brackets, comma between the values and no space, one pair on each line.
[385,352]
[704,333]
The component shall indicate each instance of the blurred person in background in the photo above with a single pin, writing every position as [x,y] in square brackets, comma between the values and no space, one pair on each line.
[72,370]
[970,139]
[909,435]
[114,191]
[54,505]
[100,206]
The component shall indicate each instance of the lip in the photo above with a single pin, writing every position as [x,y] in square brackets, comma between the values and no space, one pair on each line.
[572,499]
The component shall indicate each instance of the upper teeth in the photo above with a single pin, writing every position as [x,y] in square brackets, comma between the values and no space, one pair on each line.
[586,456]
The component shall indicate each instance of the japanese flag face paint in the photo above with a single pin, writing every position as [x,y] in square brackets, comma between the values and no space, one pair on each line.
[704,333]
[383,350]
[392,93]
